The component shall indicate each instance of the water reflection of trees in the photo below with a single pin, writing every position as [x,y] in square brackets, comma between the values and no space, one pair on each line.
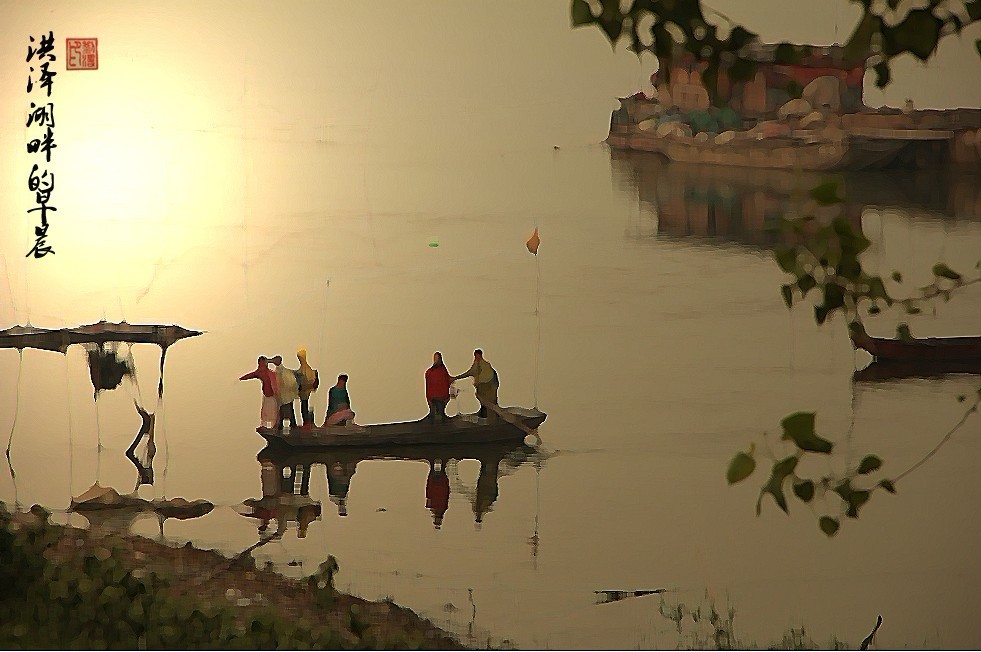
[739,204]
[285,474]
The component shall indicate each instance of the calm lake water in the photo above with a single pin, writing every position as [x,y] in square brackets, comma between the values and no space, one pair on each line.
[660,348]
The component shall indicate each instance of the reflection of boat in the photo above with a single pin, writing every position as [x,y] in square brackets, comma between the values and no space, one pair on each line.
[21,337]
[896,369]
[515,454]
[497,459]
[930,349]
[458,429]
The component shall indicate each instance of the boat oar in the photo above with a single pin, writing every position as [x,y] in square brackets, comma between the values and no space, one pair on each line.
[507,416]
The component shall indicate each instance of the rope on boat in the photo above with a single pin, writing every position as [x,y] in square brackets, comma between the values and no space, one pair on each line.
[538,322]
[71,433]
[13,425]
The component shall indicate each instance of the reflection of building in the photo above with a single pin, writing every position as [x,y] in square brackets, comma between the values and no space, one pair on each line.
[739,204]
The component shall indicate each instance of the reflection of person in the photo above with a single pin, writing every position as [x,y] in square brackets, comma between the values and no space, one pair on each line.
[339,403]
[437,388]
[270,405]
[485,383]
[487,489]
[306,515]
[309,382]
[339,484]
[289,391]
[437,492]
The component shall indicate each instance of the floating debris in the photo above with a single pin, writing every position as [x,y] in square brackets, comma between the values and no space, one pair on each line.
[604,597]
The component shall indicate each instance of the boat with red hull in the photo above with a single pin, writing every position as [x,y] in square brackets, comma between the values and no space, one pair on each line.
[928,349]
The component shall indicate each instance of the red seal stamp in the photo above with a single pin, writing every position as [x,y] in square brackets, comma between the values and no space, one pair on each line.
[83,53]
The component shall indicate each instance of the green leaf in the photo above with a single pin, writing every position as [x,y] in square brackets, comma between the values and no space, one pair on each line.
[786,258]
[774,485]
[826,194]
[918,34]
[788,297]
[877,289]
[798,424]
[896,276]
[857,48]
[882,74]
[855,500]
[742,70]
[804,490]
[961,398]
[869,464]
[788,54]
[740,468]
[888,486]
[834,297]
[581,14]
[805,283]
[903,333]
[739,37]
[829,525]
[820,314]
[942,270]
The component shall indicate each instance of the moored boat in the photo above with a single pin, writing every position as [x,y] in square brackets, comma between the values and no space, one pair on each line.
[886,370]
[461,429]
[929,349]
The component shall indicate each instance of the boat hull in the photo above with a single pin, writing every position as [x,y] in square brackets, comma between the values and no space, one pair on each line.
[932,349]
[461,429]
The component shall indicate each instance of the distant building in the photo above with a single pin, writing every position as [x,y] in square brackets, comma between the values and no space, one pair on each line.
[821,75]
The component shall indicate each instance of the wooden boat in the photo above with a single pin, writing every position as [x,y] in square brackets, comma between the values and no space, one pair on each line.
[22,337]
[930,349]
[461,429]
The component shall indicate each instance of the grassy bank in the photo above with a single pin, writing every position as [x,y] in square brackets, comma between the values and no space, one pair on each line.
[63,587]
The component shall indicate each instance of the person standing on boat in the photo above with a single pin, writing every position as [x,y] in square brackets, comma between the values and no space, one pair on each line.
[309,382]
[270,405]
[437,388]
[289,391]
[485,383]
[339,404]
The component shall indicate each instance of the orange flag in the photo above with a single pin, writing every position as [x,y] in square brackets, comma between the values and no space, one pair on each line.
[533,242]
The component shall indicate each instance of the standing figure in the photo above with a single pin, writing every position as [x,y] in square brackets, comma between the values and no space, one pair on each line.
[339,404]
[437,388]
[289,391]
[485,383]
[270,405]
[309,382]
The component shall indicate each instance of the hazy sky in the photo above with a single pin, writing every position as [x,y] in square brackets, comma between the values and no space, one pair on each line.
[186,92]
